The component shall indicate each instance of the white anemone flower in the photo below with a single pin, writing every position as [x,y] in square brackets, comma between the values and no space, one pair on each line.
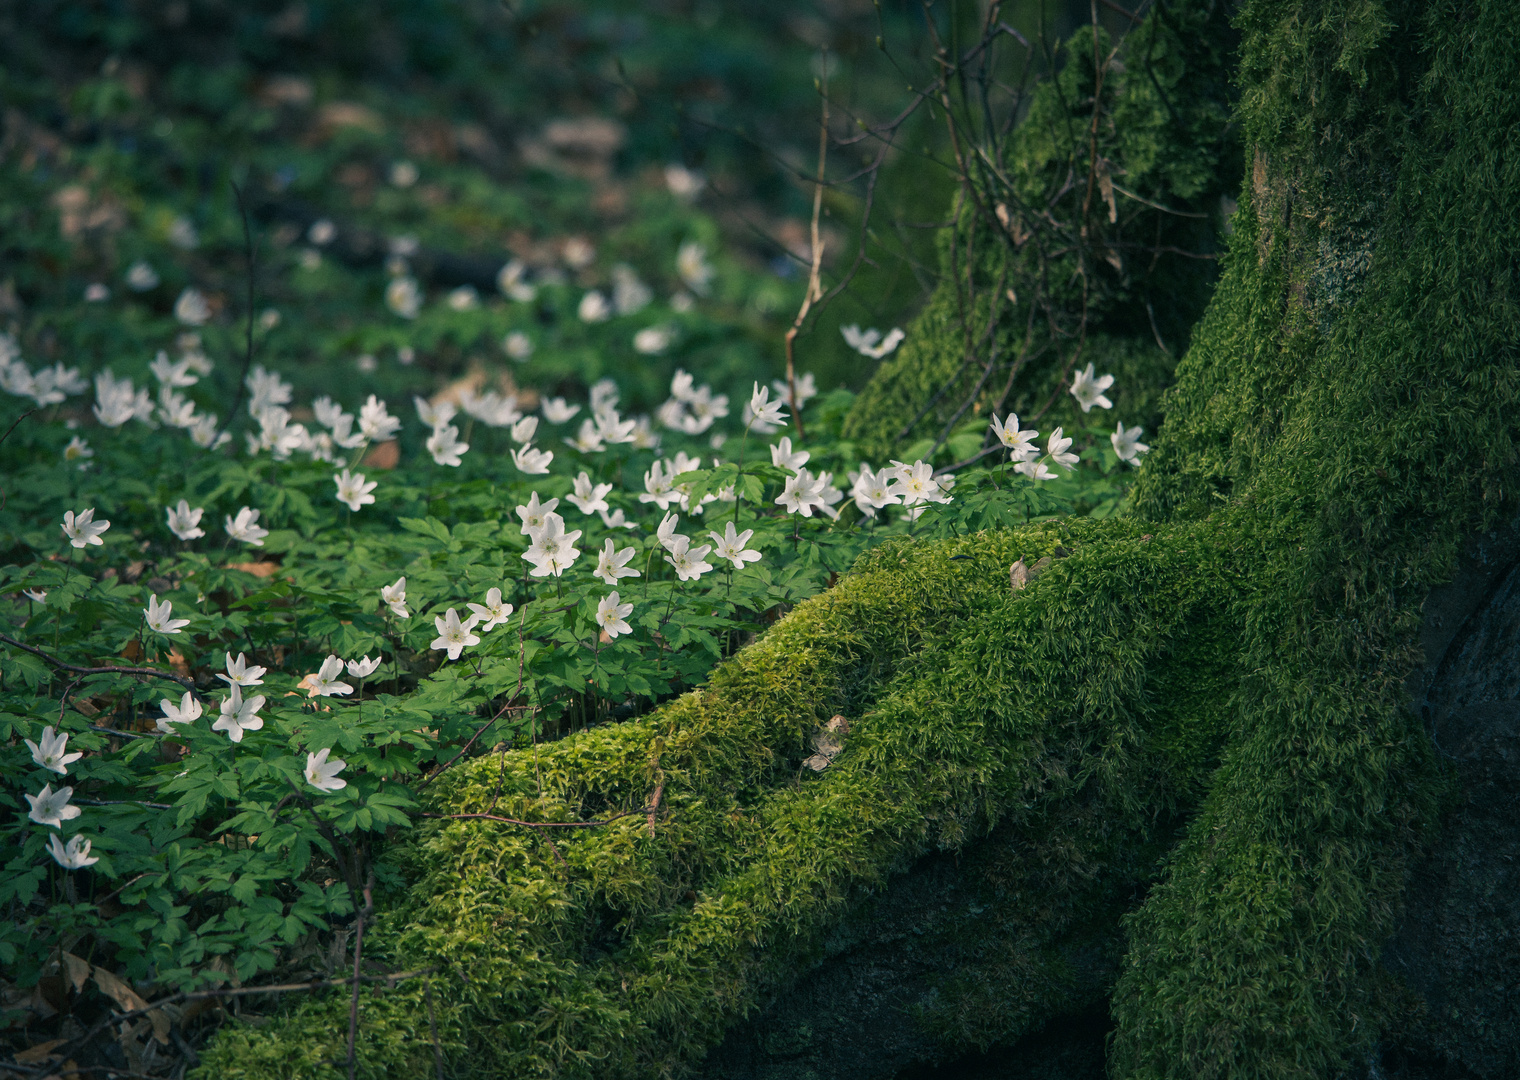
[657,487]
[454,636]
[445,446]
[1056,448]
[82,529]
[364,667]
[353,492]
[616,519]
[653,340]
[763,411]
[492,613]
[553,550]
[588,440]
[594,308]
[534,514]
[807,388]
[1087,387]
[1127,444]
[1035,470]
[239,716]
[1019,443]
[245,528]
[589,498]
[51,807]
[731,546]
[192,308]
[871,342]
[613,428]
[375,423]
[158,615]
[524,430]
[802,493]
[532,462]
[77,450]
[872,491]
[784,457]
[394,597]
[517,345]
[692,265]
[241,672]
[325,683]
[611,616]
[52,751]
[612,564]
[689,562]
[404,297]
[916,484]
[557,411]
[186,712]
[75,855]
[185,520]
[322,774]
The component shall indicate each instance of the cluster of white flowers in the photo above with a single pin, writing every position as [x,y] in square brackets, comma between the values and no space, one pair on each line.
[871,342]
[691,409]
[45,386]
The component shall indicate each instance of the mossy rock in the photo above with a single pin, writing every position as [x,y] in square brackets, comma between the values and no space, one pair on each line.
[1192,737]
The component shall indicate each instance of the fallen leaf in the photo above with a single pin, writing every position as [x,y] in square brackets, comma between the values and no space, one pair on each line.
[36,1055]
[257,569]
[129,1000]
[77,970]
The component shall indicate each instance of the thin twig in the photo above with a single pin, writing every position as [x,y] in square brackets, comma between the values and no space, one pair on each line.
[187,683]
[814,289]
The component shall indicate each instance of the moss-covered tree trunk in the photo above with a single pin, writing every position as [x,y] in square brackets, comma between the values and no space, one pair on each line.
[1189,741]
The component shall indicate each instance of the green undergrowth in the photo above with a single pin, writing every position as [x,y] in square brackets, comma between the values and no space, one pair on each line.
[618,952]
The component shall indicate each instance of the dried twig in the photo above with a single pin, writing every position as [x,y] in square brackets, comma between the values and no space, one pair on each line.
[814,288]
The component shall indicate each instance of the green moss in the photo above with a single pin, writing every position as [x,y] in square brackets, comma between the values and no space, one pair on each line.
[1230,662]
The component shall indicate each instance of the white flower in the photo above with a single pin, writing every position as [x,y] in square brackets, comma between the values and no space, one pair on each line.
[594,308]
[916,484]
[84,529]
[730,546]
[51,807]
[172,373]
[77,450]
[517,345]
[141,277]
[693,267]
[52,752]
[158,616]
[239,716]
[96,292]
[604,395]
[802,493]
[322,232]
[613,429]
[175,409]
[534,514]
[403,297]
[612,564]
[643,435]
[610,615]
[192,309]
[375,424]
[870,342]
[1056,448]
[588,497]
[783,457]
[266,388]
[445,446]
[588,440]
[807,388]
[684,183]
[245,527]
[204,434]
[629,294]
[667,535]
[75,855]
[578,253]
[434,414]
[323,774]
[762,410]
[1127,444]
[325,682]
[363,668]
[512,280]
[657,487]
[186,712]
[871,491]
[464,298]
[404,174]
[242,673]
[1087,388]
[353,490]
[653,340]
[616,520]
[37,595]
[493,612]
[688,561]
[453,635]
[556,411]
[682,302]
[1020,443]
[182,234]
[532,462]
[116,401]
[524,430]
[552,550]
[491,408]
[1035,470]
[185,522]
[394,597]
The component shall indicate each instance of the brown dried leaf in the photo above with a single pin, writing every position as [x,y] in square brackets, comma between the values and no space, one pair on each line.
[129,1000]
[36,1055]
[77,970]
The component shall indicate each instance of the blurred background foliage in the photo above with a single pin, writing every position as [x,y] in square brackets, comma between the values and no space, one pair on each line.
[523,128]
